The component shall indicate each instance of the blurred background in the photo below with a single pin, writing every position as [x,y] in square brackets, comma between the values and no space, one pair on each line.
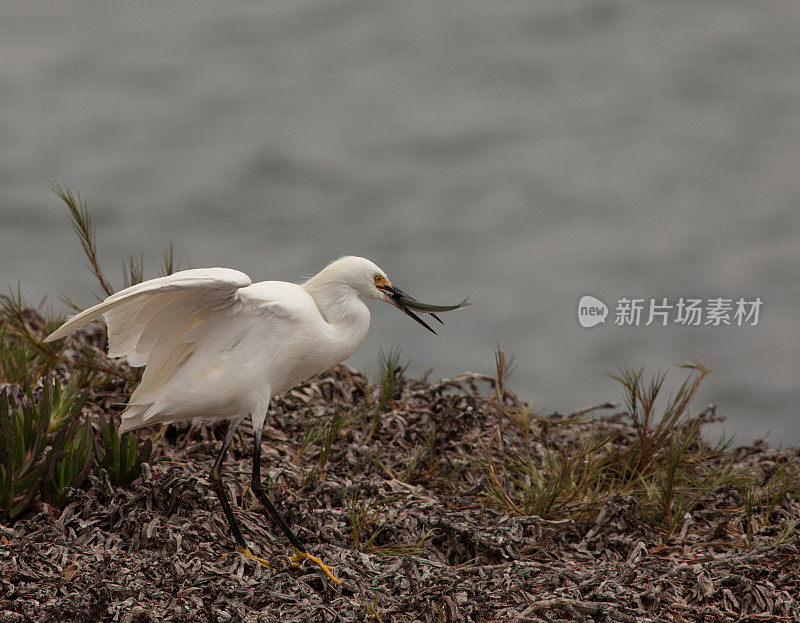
[521,153]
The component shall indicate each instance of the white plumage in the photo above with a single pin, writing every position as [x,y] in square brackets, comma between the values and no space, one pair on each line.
[217,346]
[214,345]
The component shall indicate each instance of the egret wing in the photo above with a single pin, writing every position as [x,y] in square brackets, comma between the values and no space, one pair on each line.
[206,351]
[141,316]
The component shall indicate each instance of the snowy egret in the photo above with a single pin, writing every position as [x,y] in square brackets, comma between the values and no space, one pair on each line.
[217,346]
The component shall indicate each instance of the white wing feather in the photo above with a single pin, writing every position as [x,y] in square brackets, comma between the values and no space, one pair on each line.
[141,304]
[148,323]
[210,361]
[215,345]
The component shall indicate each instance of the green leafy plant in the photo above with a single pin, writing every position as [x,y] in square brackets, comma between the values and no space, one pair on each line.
[41,450]
[120,455]
[64,404]
[74,466]
[44,448]
[24,461]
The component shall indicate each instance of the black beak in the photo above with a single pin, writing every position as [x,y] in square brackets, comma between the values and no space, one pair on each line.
[395,296]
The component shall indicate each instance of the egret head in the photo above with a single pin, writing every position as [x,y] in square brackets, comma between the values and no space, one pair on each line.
[402,301]
[356,273]
[371,283]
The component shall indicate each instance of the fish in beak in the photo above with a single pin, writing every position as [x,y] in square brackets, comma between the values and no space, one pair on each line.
[408,304]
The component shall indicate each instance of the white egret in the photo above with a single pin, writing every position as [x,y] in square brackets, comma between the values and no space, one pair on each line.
[217,346]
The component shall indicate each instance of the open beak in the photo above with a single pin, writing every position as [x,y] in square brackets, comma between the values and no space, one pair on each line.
[395,296]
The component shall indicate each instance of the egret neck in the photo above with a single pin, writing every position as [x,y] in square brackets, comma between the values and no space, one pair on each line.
[342,308]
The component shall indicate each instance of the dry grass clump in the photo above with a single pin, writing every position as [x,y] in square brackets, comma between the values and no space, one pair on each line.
[658,458]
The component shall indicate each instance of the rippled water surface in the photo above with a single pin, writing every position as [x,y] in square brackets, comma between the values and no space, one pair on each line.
[523,153]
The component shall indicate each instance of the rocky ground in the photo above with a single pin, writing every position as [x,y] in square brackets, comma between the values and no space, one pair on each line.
[395,493]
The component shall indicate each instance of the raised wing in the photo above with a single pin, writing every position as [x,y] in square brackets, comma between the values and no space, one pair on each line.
[159,312]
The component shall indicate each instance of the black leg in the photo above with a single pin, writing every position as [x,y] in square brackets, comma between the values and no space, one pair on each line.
[215,478]
[258,490]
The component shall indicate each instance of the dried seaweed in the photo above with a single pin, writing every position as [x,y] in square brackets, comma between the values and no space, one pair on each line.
[401,511]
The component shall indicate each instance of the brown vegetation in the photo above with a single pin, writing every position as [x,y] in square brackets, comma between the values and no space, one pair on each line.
[447,500]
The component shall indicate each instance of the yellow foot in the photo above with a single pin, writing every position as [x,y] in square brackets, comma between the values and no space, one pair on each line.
[249,555]
[301,556]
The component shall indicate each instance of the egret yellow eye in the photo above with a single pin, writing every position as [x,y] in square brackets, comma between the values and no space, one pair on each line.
[381,281]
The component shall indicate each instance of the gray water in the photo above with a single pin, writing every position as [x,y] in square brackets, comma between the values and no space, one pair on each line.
[524,154]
